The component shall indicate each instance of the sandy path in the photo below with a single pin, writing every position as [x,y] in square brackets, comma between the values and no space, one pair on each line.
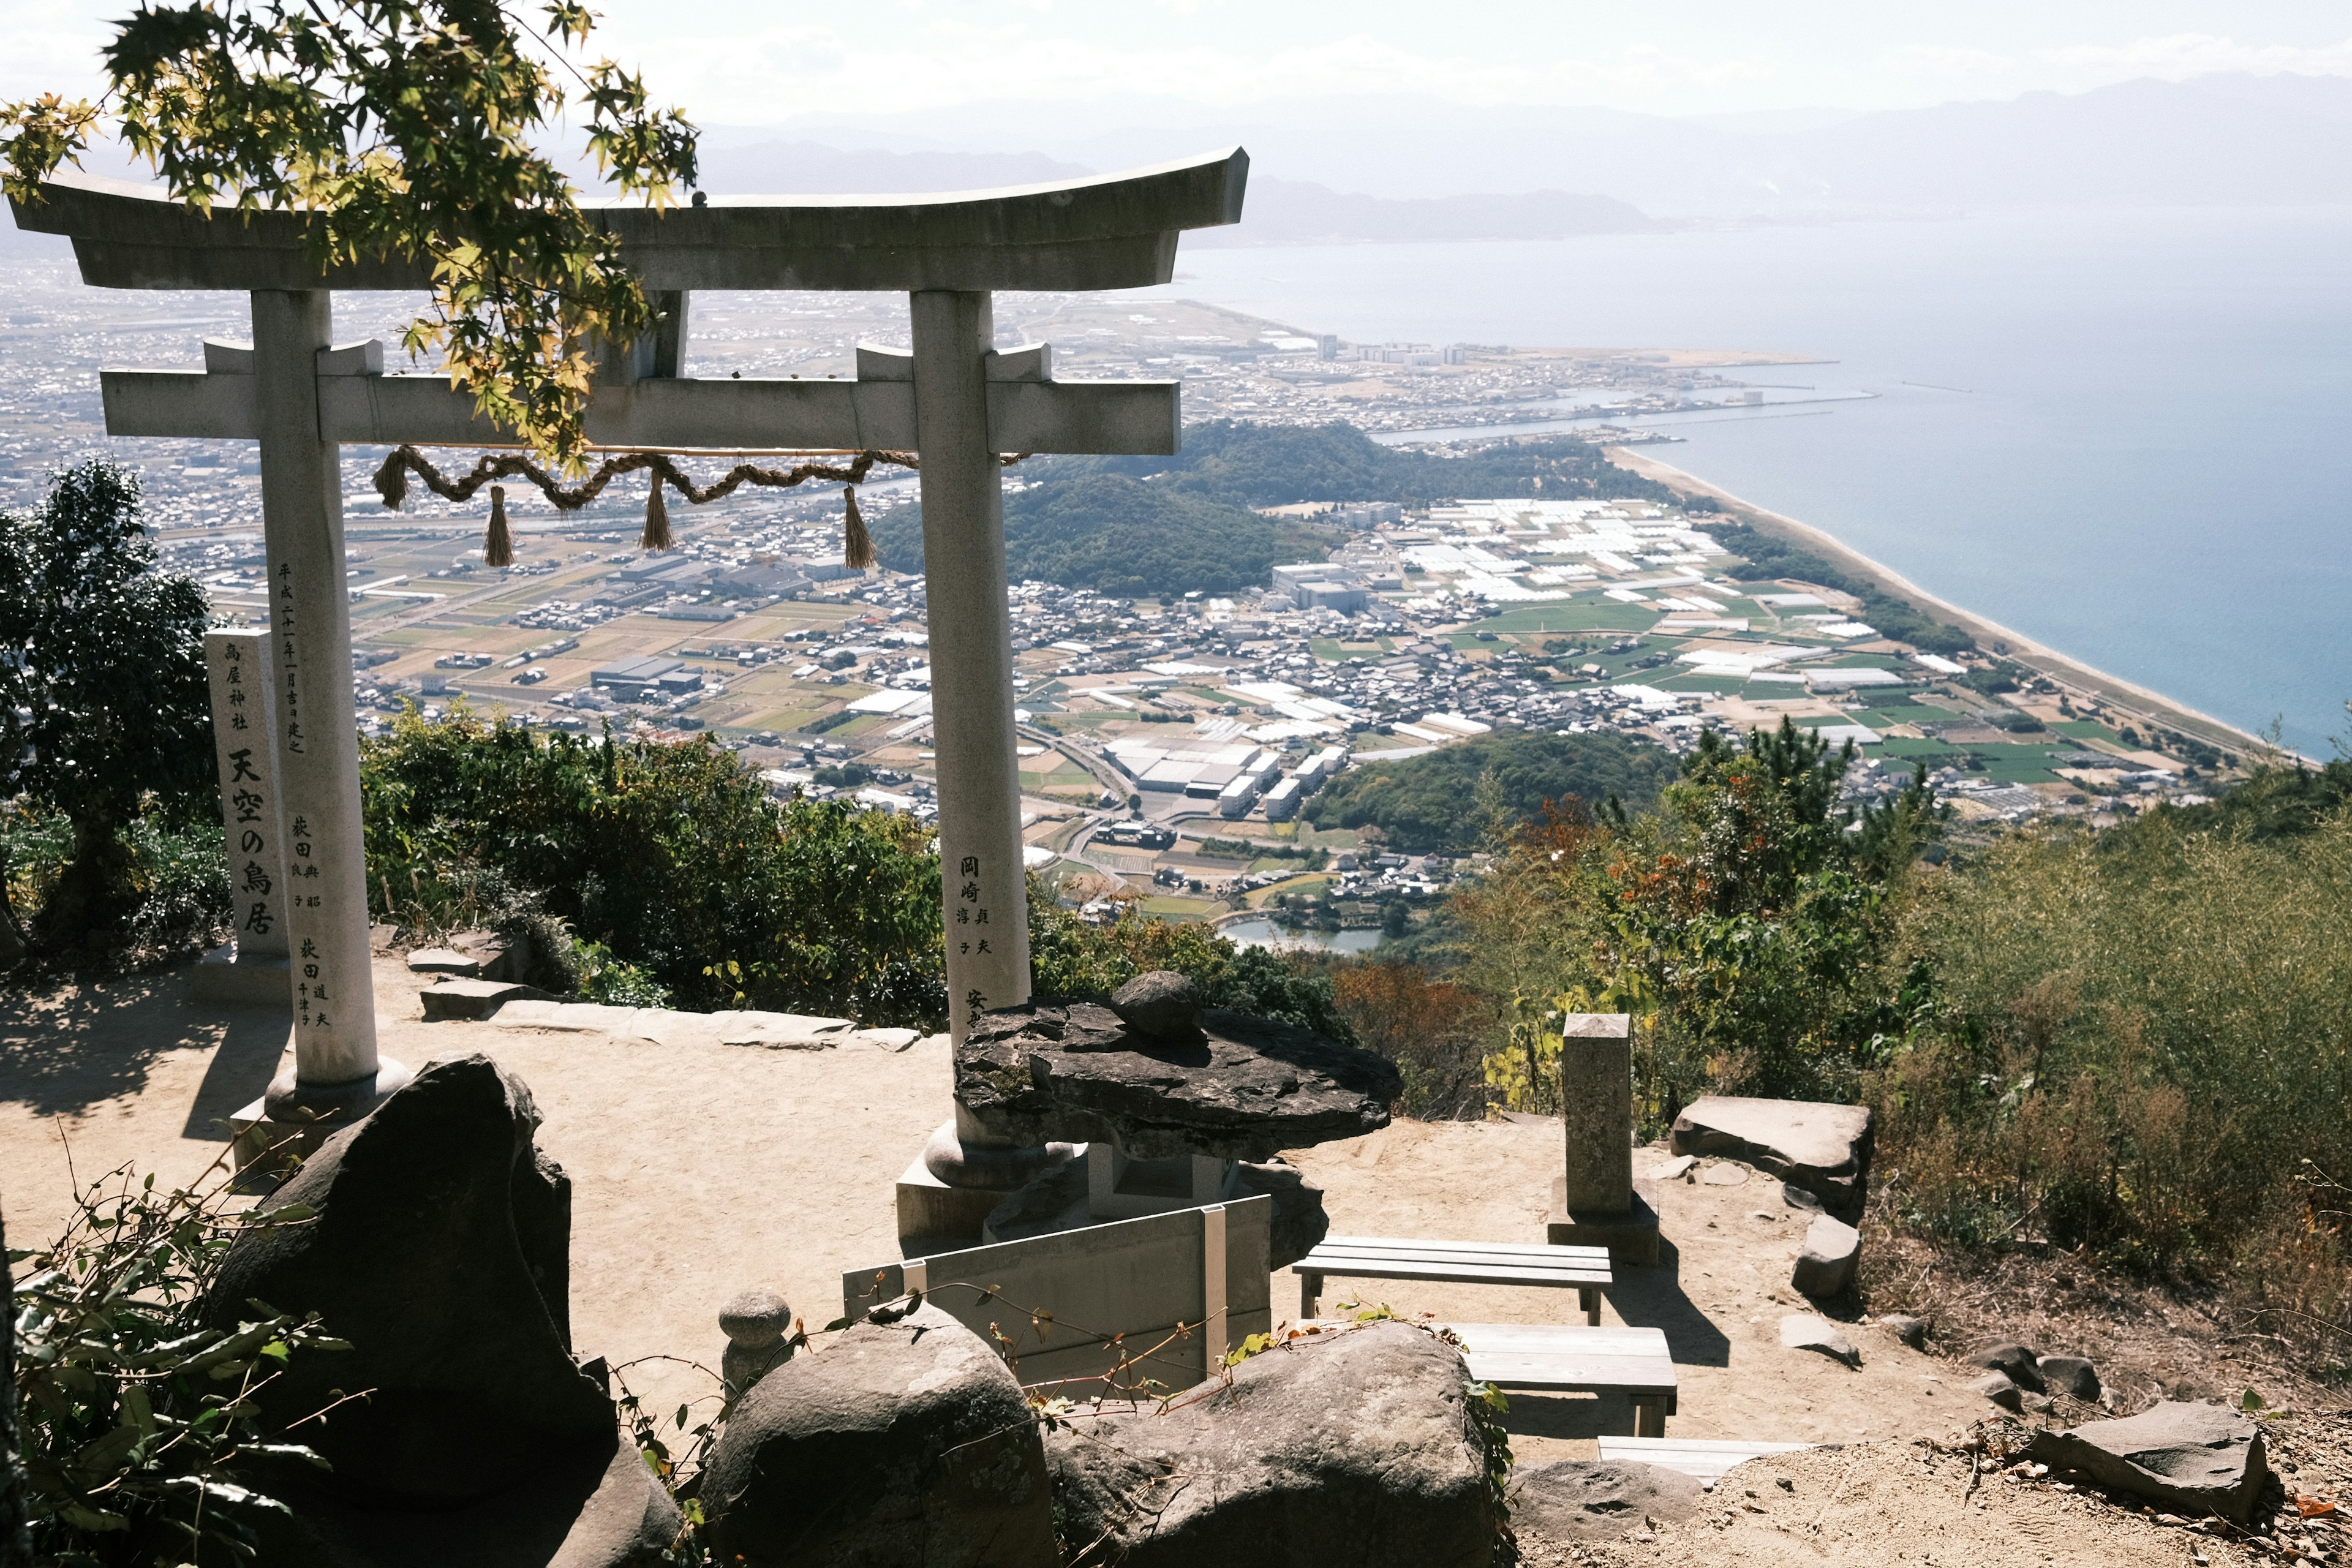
[699,1170]
[1719,1292]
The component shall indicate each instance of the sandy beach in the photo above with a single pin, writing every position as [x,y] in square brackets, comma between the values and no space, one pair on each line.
[2132,699]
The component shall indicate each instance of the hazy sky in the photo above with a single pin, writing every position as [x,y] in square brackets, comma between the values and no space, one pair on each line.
[768,61]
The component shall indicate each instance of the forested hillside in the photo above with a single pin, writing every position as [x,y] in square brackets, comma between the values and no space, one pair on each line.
[1170,525]
[1434,802]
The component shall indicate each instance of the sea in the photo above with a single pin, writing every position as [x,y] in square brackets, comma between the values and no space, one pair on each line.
[2125,434]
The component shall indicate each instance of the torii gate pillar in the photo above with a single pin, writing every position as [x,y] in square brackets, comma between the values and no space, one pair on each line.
[337,1074]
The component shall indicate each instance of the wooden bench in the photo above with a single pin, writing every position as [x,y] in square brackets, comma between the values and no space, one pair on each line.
[1567,1359]
[1586,1268]
[1704,1459]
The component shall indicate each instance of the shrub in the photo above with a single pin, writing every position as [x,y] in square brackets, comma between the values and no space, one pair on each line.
[2133,1042]
[670,858]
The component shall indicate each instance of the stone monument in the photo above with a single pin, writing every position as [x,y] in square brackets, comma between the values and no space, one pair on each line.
[251,967]
[1595,1202]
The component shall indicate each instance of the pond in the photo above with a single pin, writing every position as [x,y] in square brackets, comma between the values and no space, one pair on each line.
[1261,932]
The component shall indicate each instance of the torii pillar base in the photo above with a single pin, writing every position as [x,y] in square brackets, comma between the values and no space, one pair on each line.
[945,1197]
[291,1119]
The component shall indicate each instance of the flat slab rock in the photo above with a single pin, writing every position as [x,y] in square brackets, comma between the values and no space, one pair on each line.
[664,1027]
[1805,1332]
[1604,1499]
[1821,1148]
[1244,1088]
[2191,1459]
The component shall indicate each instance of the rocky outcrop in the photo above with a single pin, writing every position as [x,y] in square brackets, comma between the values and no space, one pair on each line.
[1823,1149]
[1588,1499]
[906,1442]
[1240,1089]
[2186,1458]
[1826,1265]
[439,1251]
[1354,1447]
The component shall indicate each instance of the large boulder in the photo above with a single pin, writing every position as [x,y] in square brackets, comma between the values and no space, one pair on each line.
[1826,1264]
[1237,1087]
[1598,1499]
[902,1443]
[2186,1458]
[1356,1446]
[440,1253]
[1823,1149]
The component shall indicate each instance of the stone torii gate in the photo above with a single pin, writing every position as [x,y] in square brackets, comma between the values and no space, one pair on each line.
[955,400]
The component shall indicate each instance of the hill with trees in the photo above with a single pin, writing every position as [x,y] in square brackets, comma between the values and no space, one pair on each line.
[1442,800]
[1132,526]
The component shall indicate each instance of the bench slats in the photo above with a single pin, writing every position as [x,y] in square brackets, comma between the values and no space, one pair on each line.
[1445,1269]
[1633,1362]
[1585,1269]
[1595,1256]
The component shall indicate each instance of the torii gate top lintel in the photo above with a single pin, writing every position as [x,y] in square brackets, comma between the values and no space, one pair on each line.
[1111,231]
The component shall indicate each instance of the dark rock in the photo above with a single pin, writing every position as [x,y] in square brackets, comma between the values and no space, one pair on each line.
[1356,1447]
[1300,1223]
[474,999]
[1163,1004]
[2071,1375]
[1907,1331]
[1797,1197]
[2017,1362]
[1056,1201]
[2194,1460]
[1586,1500]
[907,1442]
[1997,1387]
[440,1251]
[1832,1249]
[1822,1149]
[1242,1090]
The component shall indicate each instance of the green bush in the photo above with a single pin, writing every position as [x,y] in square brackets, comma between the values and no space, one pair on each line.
[670,858]
[2135,1043]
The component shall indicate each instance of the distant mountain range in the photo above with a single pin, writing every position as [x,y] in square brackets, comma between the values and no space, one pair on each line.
[1374,170]
[1279,212]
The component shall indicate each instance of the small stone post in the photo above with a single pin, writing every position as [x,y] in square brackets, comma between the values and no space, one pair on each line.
[251,966]
[1594,1202]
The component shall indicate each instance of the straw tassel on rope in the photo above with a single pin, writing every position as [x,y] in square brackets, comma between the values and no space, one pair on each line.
[498,544]
[856,544]
[656,536]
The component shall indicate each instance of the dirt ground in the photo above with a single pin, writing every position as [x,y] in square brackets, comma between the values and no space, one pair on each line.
[700,1168]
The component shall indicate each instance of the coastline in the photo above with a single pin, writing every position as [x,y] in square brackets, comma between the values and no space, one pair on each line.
[2138,701]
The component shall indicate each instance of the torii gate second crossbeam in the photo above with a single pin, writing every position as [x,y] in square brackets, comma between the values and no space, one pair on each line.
[955,400]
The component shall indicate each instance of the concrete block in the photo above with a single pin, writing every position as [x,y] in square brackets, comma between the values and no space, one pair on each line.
[1063,1298]
[249,980]
[934,1217]
[1630,1236]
